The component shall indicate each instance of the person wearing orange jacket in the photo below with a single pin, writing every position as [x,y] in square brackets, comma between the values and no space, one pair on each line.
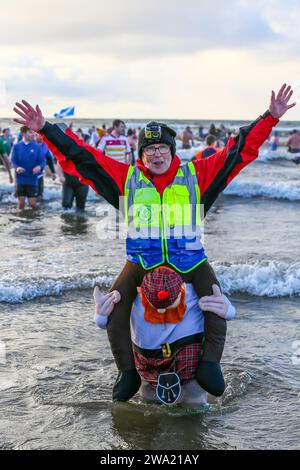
[210,148]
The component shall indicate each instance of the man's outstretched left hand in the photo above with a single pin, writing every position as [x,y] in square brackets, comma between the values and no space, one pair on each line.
[279,103]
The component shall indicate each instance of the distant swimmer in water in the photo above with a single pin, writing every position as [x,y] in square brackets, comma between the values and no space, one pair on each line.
[274,141]
[187,138]
[210,148]
[293,144]
[167,332]
[164,203]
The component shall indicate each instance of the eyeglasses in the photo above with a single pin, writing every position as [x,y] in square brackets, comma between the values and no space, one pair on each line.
[163,150]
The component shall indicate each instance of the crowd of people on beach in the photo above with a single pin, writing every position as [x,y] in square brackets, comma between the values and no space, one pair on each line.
[29,158]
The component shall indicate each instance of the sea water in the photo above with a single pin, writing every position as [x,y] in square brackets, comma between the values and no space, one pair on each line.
[56,368]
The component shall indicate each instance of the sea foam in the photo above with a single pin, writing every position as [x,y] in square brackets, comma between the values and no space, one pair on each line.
[269,278]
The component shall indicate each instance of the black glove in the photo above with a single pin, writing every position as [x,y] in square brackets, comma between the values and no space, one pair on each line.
[127,384]
[209,376]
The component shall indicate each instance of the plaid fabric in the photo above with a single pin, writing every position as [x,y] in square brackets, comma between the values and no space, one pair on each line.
[161,286]
[184,362]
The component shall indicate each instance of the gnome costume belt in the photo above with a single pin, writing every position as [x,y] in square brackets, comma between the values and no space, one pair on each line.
[167,350]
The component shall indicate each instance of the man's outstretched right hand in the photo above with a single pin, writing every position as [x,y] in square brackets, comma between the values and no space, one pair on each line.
[31,118]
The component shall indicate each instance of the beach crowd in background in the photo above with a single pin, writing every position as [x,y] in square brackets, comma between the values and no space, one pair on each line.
[27,159]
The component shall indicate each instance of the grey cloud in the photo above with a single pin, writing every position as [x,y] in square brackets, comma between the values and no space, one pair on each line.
[45,82]
[134,29]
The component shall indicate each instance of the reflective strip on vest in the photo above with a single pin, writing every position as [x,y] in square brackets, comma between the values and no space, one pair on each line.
[162,227]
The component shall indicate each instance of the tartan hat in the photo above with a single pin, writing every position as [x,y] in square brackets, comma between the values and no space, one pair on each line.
[161,286]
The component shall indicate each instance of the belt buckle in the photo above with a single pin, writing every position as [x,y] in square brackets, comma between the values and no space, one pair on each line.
[166,350]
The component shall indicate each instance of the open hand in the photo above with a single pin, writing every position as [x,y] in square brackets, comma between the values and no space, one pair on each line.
[105,303]
[31,118]
[279,103]
[216,303]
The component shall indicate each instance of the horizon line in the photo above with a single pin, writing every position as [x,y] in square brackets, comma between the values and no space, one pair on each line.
[149,119]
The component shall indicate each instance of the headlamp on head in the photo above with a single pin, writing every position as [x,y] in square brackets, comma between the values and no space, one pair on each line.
[153,131]
[156,132]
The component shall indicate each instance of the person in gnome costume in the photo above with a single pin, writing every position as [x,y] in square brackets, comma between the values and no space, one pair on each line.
[167,332]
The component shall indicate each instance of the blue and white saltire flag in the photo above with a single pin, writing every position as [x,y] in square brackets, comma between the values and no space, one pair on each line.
[66,112]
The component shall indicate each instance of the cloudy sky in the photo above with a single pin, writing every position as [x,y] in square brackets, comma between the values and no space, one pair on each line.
[192,59]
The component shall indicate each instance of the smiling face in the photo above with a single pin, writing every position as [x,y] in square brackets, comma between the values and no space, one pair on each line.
[157,158]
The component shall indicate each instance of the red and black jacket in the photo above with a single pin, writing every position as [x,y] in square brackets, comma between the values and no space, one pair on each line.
[107,176]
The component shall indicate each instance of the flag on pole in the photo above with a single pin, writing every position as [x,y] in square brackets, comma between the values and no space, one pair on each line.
[66,112]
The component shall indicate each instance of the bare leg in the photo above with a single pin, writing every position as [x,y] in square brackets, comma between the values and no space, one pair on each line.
[32,202]
[21,202]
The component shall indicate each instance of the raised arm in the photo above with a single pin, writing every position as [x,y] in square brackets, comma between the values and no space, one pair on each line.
[217,171]
[105,175]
